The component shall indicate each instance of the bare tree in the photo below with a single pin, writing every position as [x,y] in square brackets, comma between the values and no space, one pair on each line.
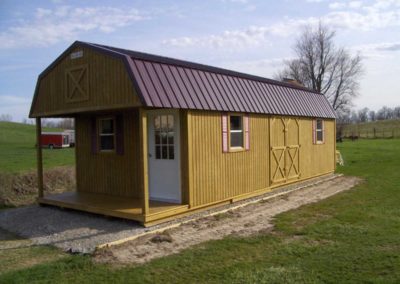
[383,113]
[363,114]
[397,112]
[354,117]
[66,123]
[321,66]
[372,115]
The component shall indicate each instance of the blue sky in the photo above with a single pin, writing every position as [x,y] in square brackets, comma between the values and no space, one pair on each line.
[246,35]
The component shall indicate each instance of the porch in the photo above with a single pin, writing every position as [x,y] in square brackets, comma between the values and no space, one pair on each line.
[115,206]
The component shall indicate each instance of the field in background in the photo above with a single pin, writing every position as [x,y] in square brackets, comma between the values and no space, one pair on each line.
[373,129]
[352,237]
[18,153]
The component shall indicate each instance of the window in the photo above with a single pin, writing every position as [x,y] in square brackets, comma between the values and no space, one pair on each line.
[319,131]
[164,137]
[107,134]
[65,140]
[236,131]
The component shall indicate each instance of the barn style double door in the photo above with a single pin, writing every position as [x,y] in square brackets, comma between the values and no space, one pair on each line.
[284,150]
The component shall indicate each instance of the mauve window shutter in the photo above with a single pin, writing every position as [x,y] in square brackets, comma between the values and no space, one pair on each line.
[120,134]
[246,132]
[314,132]
[94,135]
[224,133]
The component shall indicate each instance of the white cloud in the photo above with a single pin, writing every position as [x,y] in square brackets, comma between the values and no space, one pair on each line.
[344,5]
[337,5]
[50,26]
[355,4]
[378,15]
[237,1]
[252,36]
[377,50]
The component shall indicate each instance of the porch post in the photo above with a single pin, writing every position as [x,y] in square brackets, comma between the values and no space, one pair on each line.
[143,160]
[39,157]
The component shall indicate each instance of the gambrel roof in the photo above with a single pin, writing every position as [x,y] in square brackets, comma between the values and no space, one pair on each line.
[164,82]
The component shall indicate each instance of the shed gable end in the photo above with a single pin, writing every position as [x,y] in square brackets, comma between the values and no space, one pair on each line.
[83,79]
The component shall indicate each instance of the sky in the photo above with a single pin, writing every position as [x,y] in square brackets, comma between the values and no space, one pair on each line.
[250,36]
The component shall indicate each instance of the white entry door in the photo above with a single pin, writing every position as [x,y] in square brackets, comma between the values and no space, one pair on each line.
[164,156]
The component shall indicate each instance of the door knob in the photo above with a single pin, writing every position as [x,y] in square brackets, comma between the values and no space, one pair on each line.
[149,155]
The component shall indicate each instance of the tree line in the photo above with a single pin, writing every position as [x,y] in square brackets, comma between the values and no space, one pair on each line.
[366,115]
[63,123]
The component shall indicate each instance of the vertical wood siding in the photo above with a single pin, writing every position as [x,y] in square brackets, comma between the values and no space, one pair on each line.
[109,85]
[216,176]
[316,159]
[109,173]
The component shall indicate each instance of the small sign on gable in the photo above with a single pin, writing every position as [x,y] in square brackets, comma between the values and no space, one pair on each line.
[77,54]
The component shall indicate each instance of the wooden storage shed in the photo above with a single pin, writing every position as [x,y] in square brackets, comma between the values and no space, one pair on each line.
[158,137]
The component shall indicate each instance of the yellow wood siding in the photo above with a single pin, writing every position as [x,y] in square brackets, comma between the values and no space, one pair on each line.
[316,159]
[105,82]
[109,173]
[216,176]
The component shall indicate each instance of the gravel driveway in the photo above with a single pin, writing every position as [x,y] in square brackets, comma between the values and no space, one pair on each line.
[80,232]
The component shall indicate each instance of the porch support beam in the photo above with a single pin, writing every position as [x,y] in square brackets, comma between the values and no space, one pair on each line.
[143,161]
[39,156]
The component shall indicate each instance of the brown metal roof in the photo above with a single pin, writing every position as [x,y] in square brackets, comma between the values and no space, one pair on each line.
[170,83]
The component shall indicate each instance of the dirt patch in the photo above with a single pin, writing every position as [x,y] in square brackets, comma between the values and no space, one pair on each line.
[252,219]
[21,189]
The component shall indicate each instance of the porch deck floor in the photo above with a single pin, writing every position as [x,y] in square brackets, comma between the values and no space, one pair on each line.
[116,206]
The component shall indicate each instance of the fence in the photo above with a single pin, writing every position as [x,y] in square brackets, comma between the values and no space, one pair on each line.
[372,133]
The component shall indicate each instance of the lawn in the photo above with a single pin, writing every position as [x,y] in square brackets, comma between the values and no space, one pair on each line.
[18,153]
[350,237]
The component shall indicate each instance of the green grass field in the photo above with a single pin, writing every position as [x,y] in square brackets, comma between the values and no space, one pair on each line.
[351,237]
[18,153]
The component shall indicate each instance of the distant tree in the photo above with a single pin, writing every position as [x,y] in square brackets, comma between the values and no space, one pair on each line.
[343,118]
[5,117]
[354,117]
[66,123]
[372,115]
[382,113]
[396,112]
[390,113]
[51,123]
[363,114]
[322,66]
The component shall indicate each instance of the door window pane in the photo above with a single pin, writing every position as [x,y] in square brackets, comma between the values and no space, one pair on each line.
[158,152]
[164,152]
[164,137]
[164,122]
[157,136]
[171,154]
[157,122]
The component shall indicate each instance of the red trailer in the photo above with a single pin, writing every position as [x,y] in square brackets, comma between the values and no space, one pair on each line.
[54,140]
